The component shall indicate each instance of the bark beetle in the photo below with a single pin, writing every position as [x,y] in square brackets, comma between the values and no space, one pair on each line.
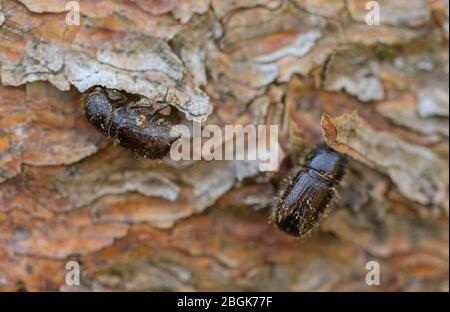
[67,193]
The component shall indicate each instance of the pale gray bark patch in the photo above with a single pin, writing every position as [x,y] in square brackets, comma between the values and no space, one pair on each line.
[350,71]
[148,68]
[419,174]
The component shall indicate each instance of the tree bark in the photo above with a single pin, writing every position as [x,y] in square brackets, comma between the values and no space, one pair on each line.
[317,69]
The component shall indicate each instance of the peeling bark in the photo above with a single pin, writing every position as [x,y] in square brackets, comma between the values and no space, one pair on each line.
[376,93]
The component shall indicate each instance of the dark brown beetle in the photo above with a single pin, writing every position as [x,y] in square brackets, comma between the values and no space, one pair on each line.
[130,121]
[307,196]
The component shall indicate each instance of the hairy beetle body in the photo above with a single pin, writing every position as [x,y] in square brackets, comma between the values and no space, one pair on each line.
[135,125]
[140,132]
[99,110]
[308,195]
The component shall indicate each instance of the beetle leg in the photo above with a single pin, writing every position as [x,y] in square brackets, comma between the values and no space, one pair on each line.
[114,122]
[142,103]
[157,111]
[160,106]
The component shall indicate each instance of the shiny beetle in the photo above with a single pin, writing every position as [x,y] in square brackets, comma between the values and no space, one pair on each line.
[131,121]
[305,200]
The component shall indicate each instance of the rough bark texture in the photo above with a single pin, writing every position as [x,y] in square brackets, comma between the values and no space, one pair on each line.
[314,67]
